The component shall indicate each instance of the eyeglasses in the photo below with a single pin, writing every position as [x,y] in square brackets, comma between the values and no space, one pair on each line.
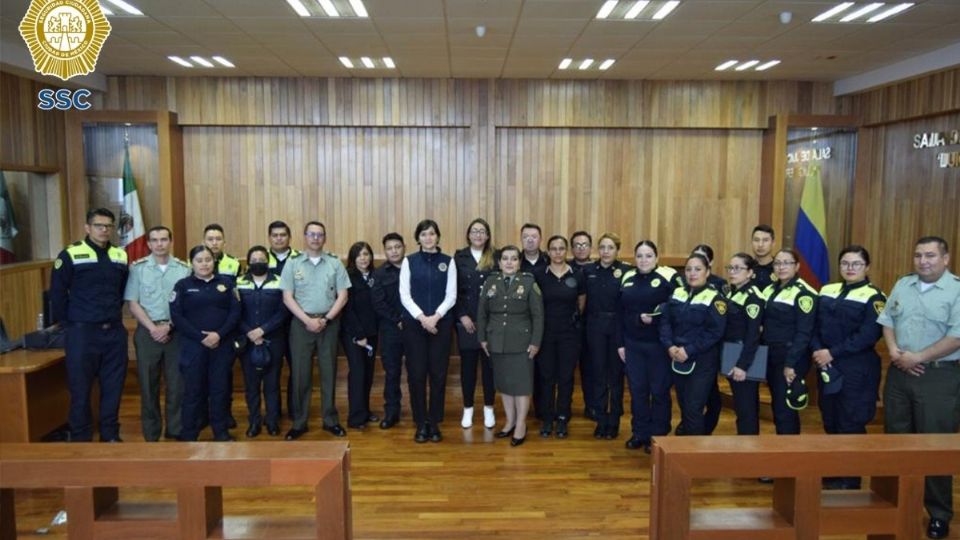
[730,268]
[315,235]
[102,226]
[783,264]
[855,265]
[476,232]
[581,245]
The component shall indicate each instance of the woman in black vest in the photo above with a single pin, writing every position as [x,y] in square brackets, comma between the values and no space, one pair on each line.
[358,335]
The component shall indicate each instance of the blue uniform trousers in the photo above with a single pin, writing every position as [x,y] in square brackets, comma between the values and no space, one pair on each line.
[265,381]
[391,355]
[693,391]
[206,380]
[648,374]
[607,372]
[786,420]
[95,351]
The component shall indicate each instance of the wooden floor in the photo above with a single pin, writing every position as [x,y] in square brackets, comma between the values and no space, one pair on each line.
[468,486]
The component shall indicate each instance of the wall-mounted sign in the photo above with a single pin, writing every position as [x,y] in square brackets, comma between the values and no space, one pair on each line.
[933,139]
[799,161]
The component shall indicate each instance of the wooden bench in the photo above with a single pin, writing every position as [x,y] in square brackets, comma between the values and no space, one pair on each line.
[892,507]
[34,399]
[91,473]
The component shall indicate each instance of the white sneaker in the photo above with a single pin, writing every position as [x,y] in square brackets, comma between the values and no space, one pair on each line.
[467,421]
[489,420]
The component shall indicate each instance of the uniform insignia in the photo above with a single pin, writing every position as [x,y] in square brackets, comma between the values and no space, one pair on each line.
[370,281]
[721,307]
[442,267]
[492,292]
[173,296]
[536,289]
[753,311]
[520,290]
[878,306]
[655,283]
[617,273]
[64,38]
[805,303]
[570,282]
[221,287]
[298,275]
[57,264]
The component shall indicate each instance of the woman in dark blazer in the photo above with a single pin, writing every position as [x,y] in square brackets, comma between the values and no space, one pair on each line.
[358,335]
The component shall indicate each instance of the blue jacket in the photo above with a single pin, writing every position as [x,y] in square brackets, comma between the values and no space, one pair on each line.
[262,307]
[88,282]
[199,306]
[694,319]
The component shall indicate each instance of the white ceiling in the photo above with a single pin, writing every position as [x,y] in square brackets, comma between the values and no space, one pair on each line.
[524,39]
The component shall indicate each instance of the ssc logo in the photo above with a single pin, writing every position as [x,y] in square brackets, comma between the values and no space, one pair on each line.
[64,36]
[655,283]
[570,282]
[442,267]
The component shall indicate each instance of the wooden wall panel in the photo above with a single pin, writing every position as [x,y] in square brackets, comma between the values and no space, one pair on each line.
[933,94]
[22,287]
[29,137]
[905,196]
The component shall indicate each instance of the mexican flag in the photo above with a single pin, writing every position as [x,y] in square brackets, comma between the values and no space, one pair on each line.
[133,236]
[8,225]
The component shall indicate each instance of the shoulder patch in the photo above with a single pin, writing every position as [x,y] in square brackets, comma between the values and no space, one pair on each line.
[805,303]
[753,310]
[57,263]
[720,306]
[878,306]
[173,296]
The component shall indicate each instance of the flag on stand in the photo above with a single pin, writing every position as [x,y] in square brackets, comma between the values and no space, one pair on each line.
[133,237]
[8,224]
[811,233]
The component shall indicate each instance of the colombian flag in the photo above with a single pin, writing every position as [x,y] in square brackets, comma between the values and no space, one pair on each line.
[811,233]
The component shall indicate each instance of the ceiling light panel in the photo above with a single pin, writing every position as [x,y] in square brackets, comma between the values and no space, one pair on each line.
[367,62]
[758,65]
[181,61]
[330,8]
[201,61]
[862,12]
[129,9]
[636,10]
[585,64]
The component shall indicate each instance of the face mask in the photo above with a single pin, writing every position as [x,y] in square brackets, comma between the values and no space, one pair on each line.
[258,268]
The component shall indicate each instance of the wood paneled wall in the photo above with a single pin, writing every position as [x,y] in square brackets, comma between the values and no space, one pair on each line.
[934,94]
[21,295]
[31,138]
[677,162]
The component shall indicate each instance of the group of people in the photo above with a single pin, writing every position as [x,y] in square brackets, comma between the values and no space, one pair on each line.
[524,318]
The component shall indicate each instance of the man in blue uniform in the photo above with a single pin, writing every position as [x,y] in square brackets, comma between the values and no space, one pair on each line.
[386,302]
[280,253]
[87,287]
[762,242]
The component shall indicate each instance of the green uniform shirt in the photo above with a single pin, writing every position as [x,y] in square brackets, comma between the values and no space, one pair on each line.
[920,319]
[510,317]
[314,286]
[150,286]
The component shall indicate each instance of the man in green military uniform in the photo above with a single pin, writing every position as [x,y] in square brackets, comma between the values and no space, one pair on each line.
[147,294]
[314,287]
[921,323]
[213,238]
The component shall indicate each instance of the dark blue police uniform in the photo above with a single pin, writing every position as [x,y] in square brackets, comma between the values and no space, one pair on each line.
[261,306]
[714,403]
[695,319]
[744,320]
[199,306]
[385,295]
[647,364]
[603,292]
[86,290]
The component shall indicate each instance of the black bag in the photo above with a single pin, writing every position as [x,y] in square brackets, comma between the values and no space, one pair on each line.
[54,337]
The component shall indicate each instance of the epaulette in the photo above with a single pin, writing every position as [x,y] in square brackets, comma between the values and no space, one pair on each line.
[298,255]
[77,243]
[180,262]
[528,274]
[141,260]
[332,255]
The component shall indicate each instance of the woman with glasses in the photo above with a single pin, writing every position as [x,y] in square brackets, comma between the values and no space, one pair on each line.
[474,263]
[358,335]
[642,291]
[428,292]
[789,315]
[691,329]
[564,296]
[744,320]
[844,342]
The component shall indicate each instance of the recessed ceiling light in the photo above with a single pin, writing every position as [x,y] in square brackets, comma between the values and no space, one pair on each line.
[346,62]
[358,8]
[726,65]
[105,10]
[202,61]
[831,12]
[890,12]
[389,62]
[223,61]
[869,8]
[747,65]
[606,64]
[606,8]
[565,63]
[298,6]
[586,63]
[329,8]
[180,61]
[367,62]
[666,9]
[767,65]
[126,7]
[814,129]
[634,11]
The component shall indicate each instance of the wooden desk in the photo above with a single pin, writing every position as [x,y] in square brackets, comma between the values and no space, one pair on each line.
[91,473]
[891,509]
[34,399]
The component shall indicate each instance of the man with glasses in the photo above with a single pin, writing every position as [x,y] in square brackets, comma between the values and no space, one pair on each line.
[921,326]
[148,296]
[314,287]
[86,288]
[581,243]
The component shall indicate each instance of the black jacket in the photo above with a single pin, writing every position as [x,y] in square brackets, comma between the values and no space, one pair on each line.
[359,317]
[469,282]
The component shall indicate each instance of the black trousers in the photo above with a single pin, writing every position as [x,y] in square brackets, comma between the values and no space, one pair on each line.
[391,356]
[746,403]
[607,374]
[469,358]
[786,420]
[693,391]
[428,355]
[649,376]
[265,382]
[359,378]
[557,359]
[95,353]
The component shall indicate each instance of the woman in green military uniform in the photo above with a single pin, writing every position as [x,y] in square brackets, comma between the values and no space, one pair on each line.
[510,327]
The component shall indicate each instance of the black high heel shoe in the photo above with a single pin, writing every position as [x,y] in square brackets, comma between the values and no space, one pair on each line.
[504,434]
[517,442]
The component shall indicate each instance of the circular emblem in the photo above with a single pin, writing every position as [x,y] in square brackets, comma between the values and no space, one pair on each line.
[64,36]
[570,282]
[173,296]
[57,264]
[442,267]
[617,273]
[221,287]
[655,282]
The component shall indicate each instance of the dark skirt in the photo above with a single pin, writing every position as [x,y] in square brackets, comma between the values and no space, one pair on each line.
[513,373]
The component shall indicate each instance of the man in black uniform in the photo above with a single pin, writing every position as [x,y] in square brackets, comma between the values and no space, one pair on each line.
[386,302]
[533,258]
[86,288]
[762,240]
[581,243]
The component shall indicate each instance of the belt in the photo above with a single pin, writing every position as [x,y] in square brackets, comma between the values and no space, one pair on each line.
[943,363]
[162,321]
[100,325]
[316,315]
